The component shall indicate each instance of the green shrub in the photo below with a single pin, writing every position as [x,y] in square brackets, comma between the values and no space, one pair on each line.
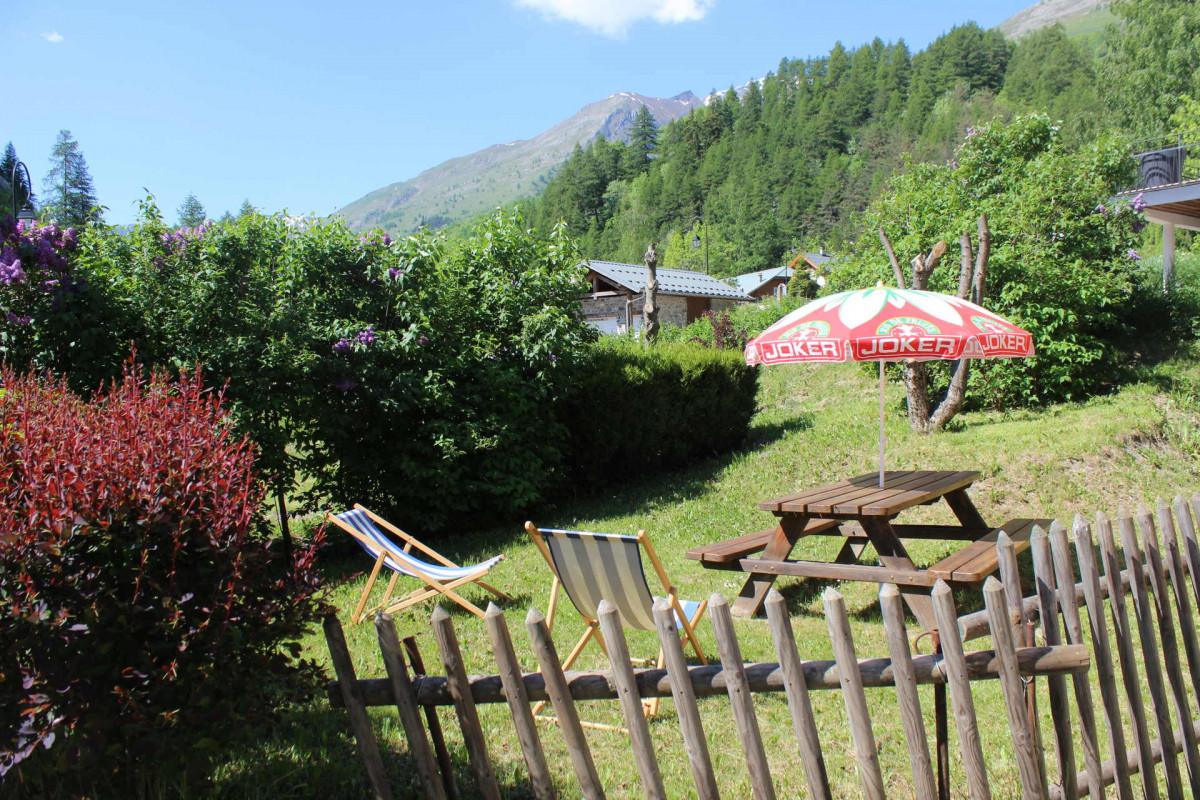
[1165,318]
[633,410]
[448,412]
[750,318]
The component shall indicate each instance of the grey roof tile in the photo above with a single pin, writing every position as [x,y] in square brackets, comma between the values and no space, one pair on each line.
[670,281]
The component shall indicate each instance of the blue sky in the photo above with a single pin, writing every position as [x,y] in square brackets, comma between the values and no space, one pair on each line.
[309,106]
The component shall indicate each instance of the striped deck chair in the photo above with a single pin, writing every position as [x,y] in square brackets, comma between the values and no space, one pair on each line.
[441,576]
[606,566]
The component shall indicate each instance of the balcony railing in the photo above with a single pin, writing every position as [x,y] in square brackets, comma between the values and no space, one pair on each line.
[1162,160]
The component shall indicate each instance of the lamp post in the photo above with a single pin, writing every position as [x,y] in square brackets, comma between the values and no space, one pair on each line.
[696,240]
[26,212]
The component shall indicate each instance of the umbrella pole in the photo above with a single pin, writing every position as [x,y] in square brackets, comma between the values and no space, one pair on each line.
[881,439]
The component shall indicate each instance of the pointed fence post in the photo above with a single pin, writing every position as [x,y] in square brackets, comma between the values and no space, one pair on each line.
[1069,603]
[518,703]
[1150,655]
[1033,780]
[1085,553]
[464,704]
[360,723]
[1060,708]
[799,703]
[906,691]
[406,708]
[564,705]
[955,664]
[1123,635]
[685,702]
[1170,645]
[740,698]
[631,704]
[865,754]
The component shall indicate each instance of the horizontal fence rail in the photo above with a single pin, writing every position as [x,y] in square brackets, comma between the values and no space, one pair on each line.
[711,679]
[1113,601]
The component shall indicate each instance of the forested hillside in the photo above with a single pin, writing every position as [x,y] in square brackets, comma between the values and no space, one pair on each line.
[787,163]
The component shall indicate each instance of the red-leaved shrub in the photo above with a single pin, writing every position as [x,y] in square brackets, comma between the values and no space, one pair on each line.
[141,608]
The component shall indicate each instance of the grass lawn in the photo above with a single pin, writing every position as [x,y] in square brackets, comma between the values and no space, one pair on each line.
[816,424]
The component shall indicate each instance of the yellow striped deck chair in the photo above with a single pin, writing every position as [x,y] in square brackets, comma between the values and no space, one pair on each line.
[605,566]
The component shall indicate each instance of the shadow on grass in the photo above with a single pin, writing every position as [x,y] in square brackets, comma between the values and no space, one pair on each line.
[312,753]
[768,433]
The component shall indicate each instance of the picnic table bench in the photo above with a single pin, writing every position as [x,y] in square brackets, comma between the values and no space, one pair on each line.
[861,512]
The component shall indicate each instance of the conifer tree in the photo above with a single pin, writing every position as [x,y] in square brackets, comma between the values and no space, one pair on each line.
[22,188]
[70,196]
[246,208]
[191,212]
[643,138]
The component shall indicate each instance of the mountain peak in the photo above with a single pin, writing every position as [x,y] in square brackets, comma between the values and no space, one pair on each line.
[502,173]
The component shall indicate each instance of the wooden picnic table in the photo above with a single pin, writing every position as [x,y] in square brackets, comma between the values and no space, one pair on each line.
[860,512]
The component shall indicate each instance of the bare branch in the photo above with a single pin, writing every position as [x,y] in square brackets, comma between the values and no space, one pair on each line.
[922,269]
[887,245]
[981,260]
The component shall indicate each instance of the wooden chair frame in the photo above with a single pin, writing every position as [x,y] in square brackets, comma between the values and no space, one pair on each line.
[592,630]
[432,586]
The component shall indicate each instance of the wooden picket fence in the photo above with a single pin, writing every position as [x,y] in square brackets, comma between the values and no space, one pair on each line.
[1159,576]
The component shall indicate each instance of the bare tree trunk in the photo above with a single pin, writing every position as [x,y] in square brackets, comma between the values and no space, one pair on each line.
[650,299]
[981,260]
[974,284]
[916,380]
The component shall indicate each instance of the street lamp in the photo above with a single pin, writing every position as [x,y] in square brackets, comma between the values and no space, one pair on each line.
[696,240]
[26,212]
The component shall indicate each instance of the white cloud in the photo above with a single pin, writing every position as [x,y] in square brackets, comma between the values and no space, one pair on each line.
[613,17]
[53,37]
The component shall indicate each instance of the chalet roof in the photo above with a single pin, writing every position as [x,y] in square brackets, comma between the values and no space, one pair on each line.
[670,281]
[752,281]
[817,259]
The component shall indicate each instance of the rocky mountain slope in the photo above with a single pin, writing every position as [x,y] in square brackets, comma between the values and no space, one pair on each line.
[468,185]
[1071,13]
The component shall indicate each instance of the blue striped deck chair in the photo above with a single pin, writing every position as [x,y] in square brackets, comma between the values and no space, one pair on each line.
[608,566]
[440,576]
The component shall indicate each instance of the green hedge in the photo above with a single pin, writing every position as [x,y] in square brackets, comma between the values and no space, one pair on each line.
[632,410]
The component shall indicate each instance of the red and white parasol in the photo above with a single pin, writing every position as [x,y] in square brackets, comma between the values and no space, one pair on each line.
[884,324]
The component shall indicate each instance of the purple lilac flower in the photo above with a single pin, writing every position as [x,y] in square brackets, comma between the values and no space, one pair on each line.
[12,273]
[13,319]
[553,357]
[972,131]
[1138,204]
[395,274]
[1102,210]
[422,340]
[343,346]
[367,336]
[345,384]
[1134,254]
[387,240]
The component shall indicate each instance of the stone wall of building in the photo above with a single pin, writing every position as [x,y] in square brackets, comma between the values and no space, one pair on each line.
[608,314]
